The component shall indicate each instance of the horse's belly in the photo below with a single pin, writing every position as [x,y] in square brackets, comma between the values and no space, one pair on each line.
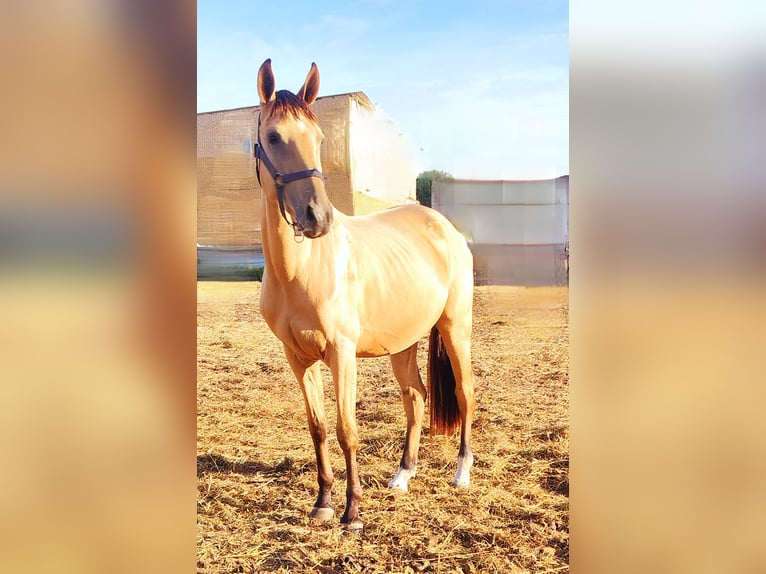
[393,328]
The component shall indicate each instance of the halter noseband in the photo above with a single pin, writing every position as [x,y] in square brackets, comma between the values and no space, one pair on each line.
[280,179]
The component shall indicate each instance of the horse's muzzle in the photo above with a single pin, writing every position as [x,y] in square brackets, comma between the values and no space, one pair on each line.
[316,220]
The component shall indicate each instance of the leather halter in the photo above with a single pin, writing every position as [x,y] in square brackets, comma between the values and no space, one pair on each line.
[280,179]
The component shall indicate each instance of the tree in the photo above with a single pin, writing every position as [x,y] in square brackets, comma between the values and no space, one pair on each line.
[424,181]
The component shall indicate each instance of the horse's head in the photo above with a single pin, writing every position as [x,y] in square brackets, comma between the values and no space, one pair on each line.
[288,145]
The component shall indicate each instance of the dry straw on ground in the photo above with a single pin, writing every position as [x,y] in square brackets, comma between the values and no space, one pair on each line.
[257,473]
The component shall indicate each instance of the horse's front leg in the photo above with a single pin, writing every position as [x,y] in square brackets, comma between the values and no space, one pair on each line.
[310,378]
[341,359]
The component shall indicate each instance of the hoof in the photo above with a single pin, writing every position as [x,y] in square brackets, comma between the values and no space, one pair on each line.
[323,514]
[353,527]
[460,483]
[398,486]
[401,481]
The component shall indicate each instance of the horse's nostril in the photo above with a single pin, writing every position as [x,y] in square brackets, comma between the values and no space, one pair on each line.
[310,217]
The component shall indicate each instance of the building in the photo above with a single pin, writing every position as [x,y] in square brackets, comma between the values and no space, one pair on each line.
[368,164]
[518,231]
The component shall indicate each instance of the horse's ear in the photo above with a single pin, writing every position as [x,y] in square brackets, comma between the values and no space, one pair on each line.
[266,82]
[310,87]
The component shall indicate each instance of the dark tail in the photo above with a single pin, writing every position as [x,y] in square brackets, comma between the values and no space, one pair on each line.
[445,414]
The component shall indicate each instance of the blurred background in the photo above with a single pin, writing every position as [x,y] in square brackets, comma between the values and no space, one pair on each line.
[97,286]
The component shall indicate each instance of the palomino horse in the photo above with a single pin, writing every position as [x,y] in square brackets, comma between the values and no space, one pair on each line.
[337,287]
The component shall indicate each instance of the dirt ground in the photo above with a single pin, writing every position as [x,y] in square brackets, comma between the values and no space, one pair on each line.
[257,473]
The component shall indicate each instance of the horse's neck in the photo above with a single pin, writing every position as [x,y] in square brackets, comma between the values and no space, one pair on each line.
[286,255]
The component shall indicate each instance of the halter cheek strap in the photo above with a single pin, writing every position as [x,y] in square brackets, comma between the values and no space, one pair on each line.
[280,179]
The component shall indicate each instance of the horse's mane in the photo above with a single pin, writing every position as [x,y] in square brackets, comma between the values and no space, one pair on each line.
[285,102]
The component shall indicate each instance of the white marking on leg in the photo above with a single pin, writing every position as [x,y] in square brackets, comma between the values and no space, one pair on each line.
[463,474]
[402,479]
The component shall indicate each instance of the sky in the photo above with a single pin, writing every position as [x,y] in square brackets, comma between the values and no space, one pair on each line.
[480,89]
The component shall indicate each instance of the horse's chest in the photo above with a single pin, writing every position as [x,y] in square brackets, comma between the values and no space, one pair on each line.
[297,330]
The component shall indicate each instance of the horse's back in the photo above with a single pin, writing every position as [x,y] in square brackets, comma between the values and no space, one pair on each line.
[407,240]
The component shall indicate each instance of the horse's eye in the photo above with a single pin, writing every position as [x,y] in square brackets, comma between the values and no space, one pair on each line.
[273,138]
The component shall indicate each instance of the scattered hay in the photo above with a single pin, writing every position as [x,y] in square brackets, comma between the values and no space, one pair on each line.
[257,474]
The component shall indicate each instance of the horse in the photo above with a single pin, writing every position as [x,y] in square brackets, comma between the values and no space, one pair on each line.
[337,287]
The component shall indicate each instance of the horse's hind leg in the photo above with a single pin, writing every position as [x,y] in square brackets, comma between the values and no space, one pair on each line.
[406,371]
[456,333]
[310,379]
